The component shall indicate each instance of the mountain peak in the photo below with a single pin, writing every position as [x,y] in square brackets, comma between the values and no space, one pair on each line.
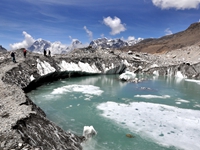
[113,43]
[2,49]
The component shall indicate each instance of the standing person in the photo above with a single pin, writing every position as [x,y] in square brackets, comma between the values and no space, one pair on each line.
[49,53]
[45,52]
[13,56]
[24,53]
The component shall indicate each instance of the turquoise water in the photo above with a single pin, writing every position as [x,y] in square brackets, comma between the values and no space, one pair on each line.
[161,113]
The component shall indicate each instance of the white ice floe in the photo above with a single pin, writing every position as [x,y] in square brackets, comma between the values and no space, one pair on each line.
[165,125]
[153,96]
[89,132]
[84,67]
[44,67]
[127,76]
[179,101]
[85,89]
[192,80]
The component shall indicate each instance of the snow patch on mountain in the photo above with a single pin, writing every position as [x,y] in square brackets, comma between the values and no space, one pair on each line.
[113,43]
[59,48]
[55,47]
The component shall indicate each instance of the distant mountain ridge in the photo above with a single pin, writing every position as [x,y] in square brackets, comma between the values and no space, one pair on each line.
[188,37]
[113,43]
[59,48]
[55,47]
[2,49]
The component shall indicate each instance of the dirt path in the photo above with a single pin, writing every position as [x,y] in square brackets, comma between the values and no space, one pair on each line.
[10,109]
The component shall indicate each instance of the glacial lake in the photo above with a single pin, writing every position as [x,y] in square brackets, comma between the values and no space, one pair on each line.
[161,113]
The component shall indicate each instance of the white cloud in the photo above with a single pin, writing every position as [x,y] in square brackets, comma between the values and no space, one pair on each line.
[168,32]
[27,42]
[130,38]
[177,4]
[88,32]
[115,25]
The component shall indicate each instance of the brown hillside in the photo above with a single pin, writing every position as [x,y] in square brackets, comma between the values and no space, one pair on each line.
[189,37]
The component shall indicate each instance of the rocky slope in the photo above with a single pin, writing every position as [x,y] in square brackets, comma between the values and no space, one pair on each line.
[23,125]
[187,38]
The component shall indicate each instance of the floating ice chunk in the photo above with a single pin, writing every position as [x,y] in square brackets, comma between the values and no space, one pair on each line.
[127,76]
[166,125]
[182,100]
[85,89]
[89,132]
[191,80]
[153,96]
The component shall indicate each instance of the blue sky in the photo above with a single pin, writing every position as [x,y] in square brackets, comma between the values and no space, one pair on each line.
[23,21]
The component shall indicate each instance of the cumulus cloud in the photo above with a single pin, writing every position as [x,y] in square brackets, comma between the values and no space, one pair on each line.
[177,4]
[27,42]
[168,32]
[90,35]
[115,25]
[130,38]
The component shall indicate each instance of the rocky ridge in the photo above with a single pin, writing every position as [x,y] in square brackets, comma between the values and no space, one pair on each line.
[180,40]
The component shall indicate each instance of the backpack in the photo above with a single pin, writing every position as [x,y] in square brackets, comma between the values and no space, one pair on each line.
[12,54]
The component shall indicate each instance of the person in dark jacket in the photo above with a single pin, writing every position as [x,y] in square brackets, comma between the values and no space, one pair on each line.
[49,53]
[13,56]
[45,52]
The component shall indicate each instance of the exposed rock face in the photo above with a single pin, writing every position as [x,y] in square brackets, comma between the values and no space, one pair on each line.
[23,124]
[2,49]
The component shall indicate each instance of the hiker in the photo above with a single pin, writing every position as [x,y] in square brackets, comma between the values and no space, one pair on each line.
[45,52]
[49,53]
[24,51]
[13,56]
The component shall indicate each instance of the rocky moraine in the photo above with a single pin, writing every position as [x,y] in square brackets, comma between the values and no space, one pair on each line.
[23,124]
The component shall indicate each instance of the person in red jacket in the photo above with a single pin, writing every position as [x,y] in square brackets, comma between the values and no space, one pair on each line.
[24,51]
